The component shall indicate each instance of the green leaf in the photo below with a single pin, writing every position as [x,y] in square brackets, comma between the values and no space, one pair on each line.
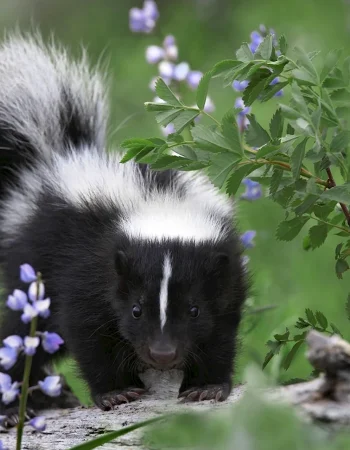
[303,77]
[222,165]
[299,100]
[338,194]
[165,93]
[265,48]
[340,97]
[170,162]
[202,90]
[299,337]
[316,116]
[338,249]
[282,42]
[244,53]
[289,229]
[267,149]
[267,359]
[186,151]
[305,61]
[138,146]
[330,62]
[340,142]
[347,307]
[212,141]
[310,317]
[341,266]
[282,337]
[276,125]
[237,176]
[301,323]
[318,235]
[231,133]
[256,136]
[321,319]
[223,67]
[276,179]
[291,355]
[108,437]
[289,113]
[155,106]
[336,329]
[252,92]
[271,90]
[184,119]
[297,158]
[166,117]
[306,205]
[346,70]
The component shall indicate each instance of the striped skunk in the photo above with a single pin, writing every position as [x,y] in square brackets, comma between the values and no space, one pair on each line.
[143,268]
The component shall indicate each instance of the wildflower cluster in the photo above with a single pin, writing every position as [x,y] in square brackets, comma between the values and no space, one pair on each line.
[173,73]
[32,305]
[257,38]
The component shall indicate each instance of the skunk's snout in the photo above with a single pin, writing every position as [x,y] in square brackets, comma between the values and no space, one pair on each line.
[163,355]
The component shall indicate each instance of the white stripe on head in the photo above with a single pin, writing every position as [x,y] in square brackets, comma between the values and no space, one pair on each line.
[163,295]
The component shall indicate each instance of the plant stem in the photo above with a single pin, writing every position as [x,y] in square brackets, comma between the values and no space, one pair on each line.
[26,376]
[331,224]
[24,390]
[331,184]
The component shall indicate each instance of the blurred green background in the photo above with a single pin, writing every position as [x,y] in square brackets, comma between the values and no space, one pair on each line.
[207,31]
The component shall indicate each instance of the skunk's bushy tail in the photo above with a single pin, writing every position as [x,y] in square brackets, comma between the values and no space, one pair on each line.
[48,103]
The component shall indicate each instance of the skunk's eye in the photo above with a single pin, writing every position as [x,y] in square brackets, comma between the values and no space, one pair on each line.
[136,311]
[194,312]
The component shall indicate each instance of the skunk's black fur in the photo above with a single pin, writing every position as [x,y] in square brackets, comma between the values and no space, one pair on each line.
[109,238]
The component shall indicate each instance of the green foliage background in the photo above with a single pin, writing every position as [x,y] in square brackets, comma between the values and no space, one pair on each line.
[208,31]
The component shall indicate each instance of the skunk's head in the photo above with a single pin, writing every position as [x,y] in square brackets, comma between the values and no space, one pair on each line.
[174,296]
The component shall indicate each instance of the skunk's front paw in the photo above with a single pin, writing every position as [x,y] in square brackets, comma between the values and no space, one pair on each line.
[110,399]
[11,416]
[217,392]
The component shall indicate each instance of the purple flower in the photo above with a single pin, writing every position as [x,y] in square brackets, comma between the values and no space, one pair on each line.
[239,86]
[29,313]
[5,382]
[13,341]
[8,357]
[38,423]
[143,20]
[193,78]
[51,386]
[170,48]
[166,70]
[242,121]
[33,293]
[253,190]
[209,106]
[17,300]
[30,345]
[27,273]
[247,238]
[181,71]
[169,129]
[154,54]
[256,40]
[2,445]
[8,389]
[51,342]
[152,84]
[150,9]
[42,307]
[262,28]
[239,104]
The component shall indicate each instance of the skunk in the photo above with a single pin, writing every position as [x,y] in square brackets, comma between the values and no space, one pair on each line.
[143,268]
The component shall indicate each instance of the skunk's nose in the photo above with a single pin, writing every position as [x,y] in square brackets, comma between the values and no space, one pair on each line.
[163,355]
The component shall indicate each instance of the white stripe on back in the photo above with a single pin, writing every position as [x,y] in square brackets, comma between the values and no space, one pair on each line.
[163,295]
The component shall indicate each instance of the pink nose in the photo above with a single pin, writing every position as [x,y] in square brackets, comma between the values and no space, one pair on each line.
[163,356]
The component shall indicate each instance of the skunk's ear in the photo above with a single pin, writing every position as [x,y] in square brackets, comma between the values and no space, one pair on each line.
[220,260]
[121,263]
